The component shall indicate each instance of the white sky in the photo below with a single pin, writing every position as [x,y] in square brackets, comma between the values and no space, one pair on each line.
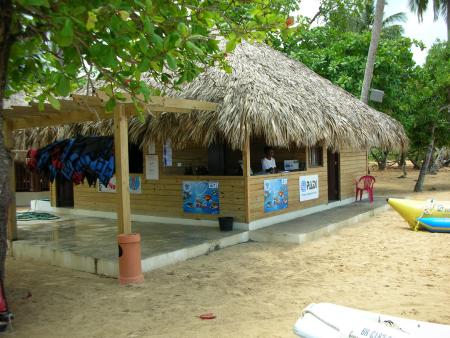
[428,31]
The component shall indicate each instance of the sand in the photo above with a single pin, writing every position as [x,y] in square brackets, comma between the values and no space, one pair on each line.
[254,289]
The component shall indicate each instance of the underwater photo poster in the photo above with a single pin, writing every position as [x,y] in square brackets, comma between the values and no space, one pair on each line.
[201,197]
[135,185]
[275,194]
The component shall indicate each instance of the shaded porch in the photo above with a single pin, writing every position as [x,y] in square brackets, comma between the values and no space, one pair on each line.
[90,244]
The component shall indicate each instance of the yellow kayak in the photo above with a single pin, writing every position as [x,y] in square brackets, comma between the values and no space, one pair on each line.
[410,210]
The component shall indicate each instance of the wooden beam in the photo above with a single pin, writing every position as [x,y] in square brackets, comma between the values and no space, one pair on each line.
[122,173]
[63,118]
[247,172]
[166,104]
[12,221]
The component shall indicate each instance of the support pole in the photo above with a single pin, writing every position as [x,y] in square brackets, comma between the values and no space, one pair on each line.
[122,173]
[130,268]
[246,172]
[12,221]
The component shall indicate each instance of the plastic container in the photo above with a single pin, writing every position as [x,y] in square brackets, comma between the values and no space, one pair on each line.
[226,223]
[130,270]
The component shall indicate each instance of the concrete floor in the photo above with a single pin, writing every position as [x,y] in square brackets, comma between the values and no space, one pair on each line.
[90,244]
[323,223]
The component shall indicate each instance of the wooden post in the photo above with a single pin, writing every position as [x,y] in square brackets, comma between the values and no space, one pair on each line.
[246,172]
[122,173]
[12,221]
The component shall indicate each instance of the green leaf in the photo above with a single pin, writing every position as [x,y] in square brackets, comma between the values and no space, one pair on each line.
[64,37]
[231,45]
[42,3]
[144,65]
[183,29]
[192,46]
[124,15]
[63,86]
[92,19]
[148,26]
[158,19]
[54,102]
[171,61]
[158,41]
[108,90]
[110,104]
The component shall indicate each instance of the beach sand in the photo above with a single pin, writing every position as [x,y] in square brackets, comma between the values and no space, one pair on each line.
[254,289]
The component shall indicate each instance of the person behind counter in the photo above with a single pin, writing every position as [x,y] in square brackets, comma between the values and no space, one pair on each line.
[268,162]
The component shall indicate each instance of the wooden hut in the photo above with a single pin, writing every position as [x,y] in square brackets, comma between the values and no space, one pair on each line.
[193,168]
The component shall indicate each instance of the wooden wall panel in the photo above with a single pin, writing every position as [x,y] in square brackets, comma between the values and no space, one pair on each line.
[353,166]
[165,198]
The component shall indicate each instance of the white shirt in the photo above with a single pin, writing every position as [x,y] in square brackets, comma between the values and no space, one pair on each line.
[268,164]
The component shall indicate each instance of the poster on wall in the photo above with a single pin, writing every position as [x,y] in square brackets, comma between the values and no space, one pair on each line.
[309,187]
[275,194]
[135,185]
[167,153]
[151,167]
[201,197]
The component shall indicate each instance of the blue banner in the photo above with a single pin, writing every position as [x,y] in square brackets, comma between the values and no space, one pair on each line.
[275,194]
[201,197]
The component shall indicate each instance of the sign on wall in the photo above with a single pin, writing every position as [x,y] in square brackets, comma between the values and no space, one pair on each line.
[201,197]
[151,167]
[309,187]
[135,185]
[167,153]
[275,194]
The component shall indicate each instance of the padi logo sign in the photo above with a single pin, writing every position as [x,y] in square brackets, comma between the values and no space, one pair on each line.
[309,187]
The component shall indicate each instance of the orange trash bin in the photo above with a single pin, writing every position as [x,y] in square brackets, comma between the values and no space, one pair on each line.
[130,270]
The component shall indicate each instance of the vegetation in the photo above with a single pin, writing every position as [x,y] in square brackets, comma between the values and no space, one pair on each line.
[414,95]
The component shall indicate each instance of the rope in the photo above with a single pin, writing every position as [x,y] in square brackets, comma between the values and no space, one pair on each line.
[35,216]
[322,320]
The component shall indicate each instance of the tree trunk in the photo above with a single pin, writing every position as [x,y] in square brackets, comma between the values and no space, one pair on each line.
[5,159]
[438,162]
[376,31]
[448,22]
[382,161]
[419,184]
[403,164]
[431,160]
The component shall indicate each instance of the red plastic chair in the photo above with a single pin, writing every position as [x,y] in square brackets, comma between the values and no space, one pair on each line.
[365,183]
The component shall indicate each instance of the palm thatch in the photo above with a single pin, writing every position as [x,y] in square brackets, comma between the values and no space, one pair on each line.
[267,95]
[272,96]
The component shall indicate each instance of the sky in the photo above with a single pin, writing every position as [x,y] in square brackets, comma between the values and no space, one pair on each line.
[428,31]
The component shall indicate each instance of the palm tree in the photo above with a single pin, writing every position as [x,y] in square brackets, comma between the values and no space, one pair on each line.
[376,32]
[440,8]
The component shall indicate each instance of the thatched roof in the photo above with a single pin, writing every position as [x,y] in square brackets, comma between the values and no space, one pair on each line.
[272,96]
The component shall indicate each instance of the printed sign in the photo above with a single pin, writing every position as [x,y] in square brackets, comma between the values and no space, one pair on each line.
[135,185]
[167,153]
[309,187]
[275,194]
[151,167]
[201,197]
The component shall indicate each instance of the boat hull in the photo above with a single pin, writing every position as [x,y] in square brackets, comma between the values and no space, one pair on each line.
[410,210]
[325,320]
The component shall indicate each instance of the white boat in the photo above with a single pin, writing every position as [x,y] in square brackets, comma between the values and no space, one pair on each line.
[326,320]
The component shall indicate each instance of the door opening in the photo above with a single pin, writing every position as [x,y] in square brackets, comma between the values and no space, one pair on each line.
[64,192]
[333,165]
